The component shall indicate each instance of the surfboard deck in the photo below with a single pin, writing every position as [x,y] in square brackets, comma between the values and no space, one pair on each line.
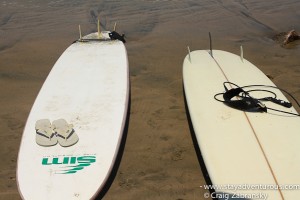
[242,149]
[88,87]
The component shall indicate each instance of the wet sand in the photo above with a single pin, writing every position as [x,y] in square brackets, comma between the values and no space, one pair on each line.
[159,160]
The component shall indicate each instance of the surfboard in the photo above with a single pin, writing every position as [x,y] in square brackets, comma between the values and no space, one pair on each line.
[72,135]
[247,154]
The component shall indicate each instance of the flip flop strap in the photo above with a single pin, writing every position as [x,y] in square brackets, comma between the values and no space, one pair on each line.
[59,135]
[46,136]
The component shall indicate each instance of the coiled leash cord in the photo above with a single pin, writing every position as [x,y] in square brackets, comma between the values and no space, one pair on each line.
[245,102]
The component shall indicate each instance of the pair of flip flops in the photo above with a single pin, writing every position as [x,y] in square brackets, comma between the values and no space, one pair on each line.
[59,131]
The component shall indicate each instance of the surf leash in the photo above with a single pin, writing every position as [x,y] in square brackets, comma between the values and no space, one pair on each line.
[245,102]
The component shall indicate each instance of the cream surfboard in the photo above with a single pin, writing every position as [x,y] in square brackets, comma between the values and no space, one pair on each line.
[247,154]
[73,132]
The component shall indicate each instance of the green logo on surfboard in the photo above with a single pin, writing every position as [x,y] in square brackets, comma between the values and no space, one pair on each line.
[69,164]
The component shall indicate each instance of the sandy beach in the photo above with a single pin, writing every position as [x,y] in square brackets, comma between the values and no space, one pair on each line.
[159,160]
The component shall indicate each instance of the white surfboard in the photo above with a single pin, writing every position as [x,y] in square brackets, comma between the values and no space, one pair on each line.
[73,132]
[245,153]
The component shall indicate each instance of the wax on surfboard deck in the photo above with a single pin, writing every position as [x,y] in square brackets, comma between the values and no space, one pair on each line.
[243,149]
[88,87]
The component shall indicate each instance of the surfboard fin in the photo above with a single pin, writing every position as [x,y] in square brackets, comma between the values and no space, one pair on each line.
[80,35]
[115,26]
[99,31]
[210,45]
[242,53]
[188,48]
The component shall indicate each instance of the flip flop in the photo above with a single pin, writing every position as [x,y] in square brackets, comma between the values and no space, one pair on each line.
[65,133]
[44,133]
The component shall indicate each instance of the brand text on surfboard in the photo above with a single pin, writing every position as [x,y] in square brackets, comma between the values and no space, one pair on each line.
[68,164]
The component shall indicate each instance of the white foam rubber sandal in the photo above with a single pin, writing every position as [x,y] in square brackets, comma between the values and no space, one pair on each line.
[44,133]
[65,133]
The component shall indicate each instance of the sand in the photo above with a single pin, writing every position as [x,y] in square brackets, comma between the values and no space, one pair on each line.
[159,160]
